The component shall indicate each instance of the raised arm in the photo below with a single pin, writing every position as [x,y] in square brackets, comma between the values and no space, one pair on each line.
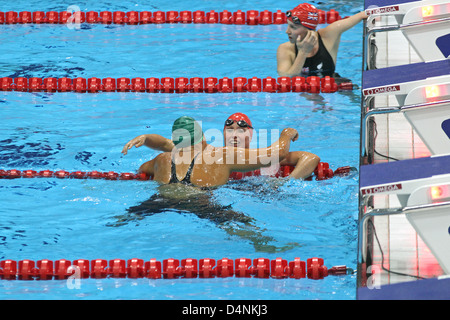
[153,141]
[338,27]
[240,159]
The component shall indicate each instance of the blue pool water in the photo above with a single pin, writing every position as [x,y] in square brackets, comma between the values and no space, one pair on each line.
[87,219]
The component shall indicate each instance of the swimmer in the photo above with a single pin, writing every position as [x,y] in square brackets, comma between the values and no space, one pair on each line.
[309,52]
[234,136]
[238,132]
[193,162]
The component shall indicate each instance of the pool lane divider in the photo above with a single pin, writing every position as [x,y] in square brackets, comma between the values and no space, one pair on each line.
[322,172]
[62,174]
[278,268]
[312,84]
[239,17]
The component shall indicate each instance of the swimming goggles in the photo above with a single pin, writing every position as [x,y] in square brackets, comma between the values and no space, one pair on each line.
[240,123]
[295,19]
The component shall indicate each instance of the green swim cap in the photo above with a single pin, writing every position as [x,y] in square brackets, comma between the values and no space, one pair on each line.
[186,132]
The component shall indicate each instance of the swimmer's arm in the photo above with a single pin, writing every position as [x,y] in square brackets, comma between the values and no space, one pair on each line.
[157,142]
[285,67]
[241,159]
[338,27]
[304,162]
[153,141]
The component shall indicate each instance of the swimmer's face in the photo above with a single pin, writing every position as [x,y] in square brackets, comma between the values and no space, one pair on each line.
[236,136]
[295,31]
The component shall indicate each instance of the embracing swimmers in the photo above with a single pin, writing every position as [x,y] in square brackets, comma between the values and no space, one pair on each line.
[238,132]
[194,162]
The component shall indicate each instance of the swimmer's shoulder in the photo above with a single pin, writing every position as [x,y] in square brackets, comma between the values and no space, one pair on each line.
[161,167]
[327,33]
[163,157]
[287,46]
[286,50]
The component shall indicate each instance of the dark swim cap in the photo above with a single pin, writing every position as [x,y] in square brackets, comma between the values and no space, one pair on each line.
[186,132]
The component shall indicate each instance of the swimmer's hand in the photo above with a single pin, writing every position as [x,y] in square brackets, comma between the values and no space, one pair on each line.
[292,133]
[307,43]
[139,141]
[286,136]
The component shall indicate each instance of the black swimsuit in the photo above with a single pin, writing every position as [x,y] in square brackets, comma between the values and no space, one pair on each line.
[321,64]
[187,178]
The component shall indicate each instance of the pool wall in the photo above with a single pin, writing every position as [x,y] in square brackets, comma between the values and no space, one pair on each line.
[391,250]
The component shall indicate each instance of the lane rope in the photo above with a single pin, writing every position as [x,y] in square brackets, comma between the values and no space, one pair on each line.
[312,84]
[278,268]
[322,172]
[239,17]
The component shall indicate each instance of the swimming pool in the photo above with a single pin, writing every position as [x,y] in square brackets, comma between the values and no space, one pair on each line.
[88,219]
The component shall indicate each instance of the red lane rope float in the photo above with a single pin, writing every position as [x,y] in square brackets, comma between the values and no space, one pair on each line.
[278,268]
[250,17]
[61,174]
[313,84]
[322,172]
